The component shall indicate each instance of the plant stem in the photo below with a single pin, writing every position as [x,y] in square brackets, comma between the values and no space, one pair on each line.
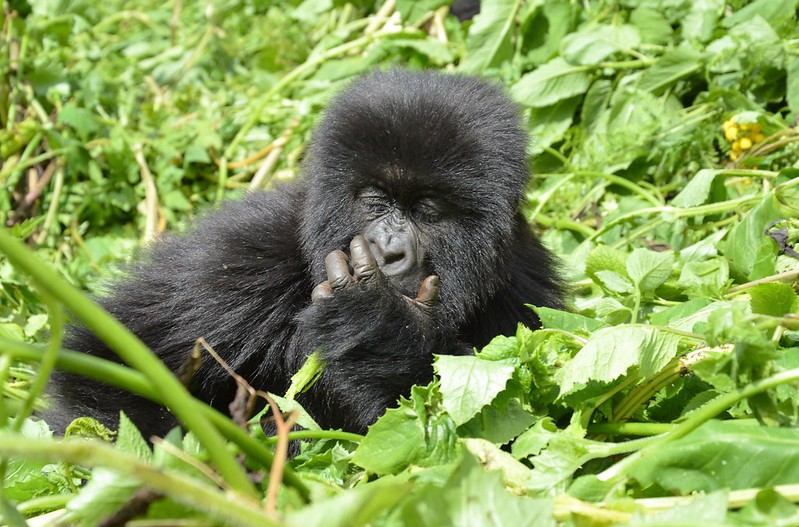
[133,352]
[228,508]
[133,381]
[700,416]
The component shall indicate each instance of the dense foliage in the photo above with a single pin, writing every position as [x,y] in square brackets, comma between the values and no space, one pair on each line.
[664,152]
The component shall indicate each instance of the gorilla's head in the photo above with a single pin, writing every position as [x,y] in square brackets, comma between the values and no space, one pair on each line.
[431,169]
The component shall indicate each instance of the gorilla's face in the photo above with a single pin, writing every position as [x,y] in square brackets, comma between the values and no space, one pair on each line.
[430,183]
[396,230]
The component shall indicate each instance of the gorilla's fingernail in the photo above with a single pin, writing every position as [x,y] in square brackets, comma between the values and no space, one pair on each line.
[363,261]
[321,291]
[428,291]
[338,270]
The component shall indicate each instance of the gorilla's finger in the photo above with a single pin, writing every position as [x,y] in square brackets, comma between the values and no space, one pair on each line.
[321,291]
[364,264]
[428,291]
[338,271]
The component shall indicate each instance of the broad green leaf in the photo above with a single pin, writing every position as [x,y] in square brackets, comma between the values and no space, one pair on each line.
[500,421]
[670,68]
[723,454]
[82,120]
[550,123]
[412,11]
[649,269]
[468,383]
[775,299]
[611,352]
[747,242]
[773,11]
[792,96]
[605,258]
[418,432]
[697,191]
[571,322]
[394,441]
[109,490]
[653,27]
[708,278]
[593,44]
[701,20]
[554,81]
[489,41]
[596,100]
[475,497]
[701,510]
[359,506]
[25,479]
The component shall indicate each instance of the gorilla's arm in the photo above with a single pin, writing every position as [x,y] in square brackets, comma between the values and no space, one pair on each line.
[238,279]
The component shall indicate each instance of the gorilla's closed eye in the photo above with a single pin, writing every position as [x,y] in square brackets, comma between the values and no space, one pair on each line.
[428,209]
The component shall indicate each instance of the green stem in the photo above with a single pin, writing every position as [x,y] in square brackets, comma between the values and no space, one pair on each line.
[133,381]
[699,417]
[622,182]
[48,360]
[630,429]
[678,212]
[133,352]
[319,434]
[44,503]
[227,508]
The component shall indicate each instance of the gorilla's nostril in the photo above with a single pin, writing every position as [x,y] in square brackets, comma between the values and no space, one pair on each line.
[390,258]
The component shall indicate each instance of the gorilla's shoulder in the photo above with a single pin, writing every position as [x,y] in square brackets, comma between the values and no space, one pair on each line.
[254,235]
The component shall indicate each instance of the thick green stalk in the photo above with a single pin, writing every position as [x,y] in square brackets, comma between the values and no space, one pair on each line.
[700,416]
[132,351]
[133,381]
[231,509]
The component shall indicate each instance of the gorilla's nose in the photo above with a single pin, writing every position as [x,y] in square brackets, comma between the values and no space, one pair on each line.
[392,258]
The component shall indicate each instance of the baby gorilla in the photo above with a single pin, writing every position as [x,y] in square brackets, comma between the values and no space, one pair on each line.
[420,176]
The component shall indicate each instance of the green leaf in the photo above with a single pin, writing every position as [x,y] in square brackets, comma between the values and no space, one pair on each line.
[747,243]
[723,454]
[80,119]
[610,352]
[554,81]
[792,95]
[649,269]
[359,506]
[773,11]
[653,27]
[488,43]
[550,123]
[697,191]
[417,432]
[108,490]
[774,299]
[468,383]
[605,258]
[595,43]
[412,11]
[571,322]
[474,497]
[673,66]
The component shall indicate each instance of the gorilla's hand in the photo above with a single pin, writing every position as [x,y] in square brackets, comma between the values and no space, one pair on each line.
[375,341]
[366,273]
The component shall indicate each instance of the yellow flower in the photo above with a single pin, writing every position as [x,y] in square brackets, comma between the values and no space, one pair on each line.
[745,143]
[731,133]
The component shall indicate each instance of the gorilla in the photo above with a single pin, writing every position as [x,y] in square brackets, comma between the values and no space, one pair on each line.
[403,239]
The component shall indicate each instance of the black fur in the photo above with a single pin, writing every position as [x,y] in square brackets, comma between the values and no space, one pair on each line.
[242,278]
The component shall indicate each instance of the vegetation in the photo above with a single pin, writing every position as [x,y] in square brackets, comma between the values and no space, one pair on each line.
[665,175]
